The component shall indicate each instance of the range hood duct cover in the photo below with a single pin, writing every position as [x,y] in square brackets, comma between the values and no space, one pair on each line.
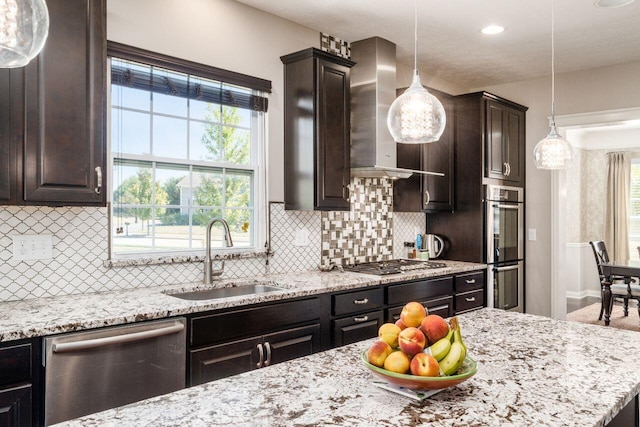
[373,90]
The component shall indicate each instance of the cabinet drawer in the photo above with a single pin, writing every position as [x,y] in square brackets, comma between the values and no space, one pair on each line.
[469,282]
[248,322]
[357,328]
[15,363]
[469,300]
[443,307]
[354,302]
[419,290]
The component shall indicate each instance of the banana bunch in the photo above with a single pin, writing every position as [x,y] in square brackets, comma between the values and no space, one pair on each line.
[450,351]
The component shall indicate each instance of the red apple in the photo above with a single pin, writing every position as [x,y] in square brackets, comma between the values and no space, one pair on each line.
[434,328]
[378,353]
[388,333]
[400,324]
[411,341]
[397,362]
[412,314]
[424,365]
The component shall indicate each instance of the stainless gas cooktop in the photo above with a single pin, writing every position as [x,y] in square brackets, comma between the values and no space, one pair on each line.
[393,266]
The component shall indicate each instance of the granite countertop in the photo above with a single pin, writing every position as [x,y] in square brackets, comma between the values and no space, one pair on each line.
[46,316]
[532,371]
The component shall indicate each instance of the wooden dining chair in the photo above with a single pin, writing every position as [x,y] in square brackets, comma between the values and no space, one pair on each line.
[621,286]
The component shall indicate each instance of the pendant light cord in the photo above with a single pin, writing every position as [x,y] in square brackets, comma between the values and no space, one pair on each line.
[553,71]
[415,36]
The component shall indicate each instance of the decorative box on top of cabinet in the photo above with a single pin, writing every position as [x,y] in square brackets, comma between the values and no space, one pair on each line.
[317,140]
[421,192]
[52,113]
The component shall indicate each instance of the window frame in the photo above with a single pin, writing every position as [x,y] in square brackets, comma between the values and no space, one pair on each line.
[258,150]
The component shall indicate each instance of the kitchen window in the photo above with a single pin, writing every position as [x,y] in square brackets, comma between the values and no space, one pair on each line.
[187,144]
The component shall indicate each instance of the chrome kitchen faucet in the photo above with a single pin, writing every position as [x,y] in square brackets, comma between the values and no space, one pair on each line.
[228,242]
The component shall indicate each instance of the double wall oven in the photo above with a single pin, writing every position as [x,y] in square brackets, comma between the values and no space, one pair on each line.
[505,247]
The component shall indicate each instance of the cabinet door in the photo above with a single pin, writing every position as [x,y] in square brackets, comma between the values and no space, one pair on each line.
[357,328]
[15,406]
[333,127]
[437,191]
[504,134]
[407,193]
[65,87]
[224,360]
[292,343]
[495,166]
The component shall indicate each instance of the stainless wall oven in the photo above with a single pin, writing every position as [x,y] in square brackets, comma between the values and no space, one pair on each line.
[505,247]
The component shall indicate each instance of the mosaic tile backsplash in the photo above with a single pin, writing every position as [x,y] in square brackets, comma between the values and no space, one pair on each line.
[334,45]
[80,245]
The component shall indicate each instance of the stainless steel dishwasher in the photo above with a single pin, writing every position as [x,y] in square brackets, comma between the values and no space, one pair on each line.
[87,372]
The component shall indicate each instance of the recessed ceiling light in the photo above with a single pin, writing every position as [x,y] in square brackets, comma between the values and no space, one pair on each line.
[611,3]
[495,29]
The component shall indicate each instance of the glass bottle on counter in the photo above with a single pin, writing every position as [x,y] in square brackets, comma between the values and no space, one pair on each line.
[409,250]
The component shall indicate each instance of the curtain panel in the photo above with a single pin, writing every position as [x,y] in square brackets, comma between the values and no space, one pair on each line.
[616,228]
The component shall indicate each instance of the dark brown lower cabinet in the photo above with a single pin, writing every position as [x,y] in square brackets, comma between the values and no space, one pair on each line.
[232,342]
[357,327]
[20,383]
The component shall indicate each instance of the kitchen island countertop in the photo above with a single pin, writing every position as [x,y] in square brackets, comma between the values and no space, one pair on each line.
[532,371]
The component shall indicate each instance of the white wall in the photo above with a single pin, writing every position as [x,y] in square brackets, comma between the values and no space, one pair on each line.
[600,89]
[224,34]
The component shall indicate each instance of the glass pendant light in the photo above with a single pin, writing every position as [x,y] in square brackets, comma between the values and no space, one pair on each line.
[24,26]
[416,116]
[553,152]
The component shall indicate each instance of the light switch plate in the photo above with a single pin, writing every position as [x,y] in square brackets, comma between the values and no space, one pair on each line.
[29,247]
[532,234]
[301,237]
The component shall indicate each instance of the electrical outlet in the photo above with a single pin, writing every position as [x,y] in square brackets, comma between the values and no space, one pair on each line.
[301,237]
[28,247]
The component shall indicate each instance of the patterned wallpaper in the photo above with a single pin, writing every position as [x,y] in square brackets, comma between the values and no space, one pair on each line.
[80,247]
[586,186]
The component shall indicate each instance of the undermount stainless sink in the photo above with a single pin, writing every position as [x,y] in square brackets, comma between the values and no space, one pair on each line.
[231,291]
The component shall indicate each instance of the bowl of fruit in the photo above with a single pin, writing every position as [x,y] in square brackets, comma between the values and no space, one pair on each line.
[420,351]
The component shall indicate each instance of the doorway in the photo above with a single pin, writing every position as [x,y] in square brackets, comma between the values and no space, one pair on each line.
[572,259]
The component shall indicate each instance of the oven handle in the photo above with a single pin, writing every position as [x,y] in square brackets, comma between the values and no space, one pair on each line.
[515,206]
[511,267]
[117,339]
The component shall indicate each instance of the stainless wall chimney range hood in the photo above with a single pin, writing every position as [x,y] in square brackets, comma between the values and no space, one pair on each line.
[373,90]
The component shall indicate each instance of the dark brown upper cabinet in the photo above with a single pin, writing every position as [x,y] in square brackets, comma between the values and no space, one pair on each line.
[505,141]
[421,192]
[53,121]
[317,127]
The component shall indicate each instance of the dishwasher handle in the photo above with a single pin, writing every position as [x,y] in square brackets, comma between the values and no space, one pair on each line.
[117,339]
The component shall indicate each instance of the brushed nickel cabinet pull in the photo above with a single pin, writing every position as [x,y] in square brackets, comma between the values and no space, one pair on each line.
[361,319]
[470,281]
[361,301]
[261,353]
[268,361]
[427,197]
[98,188]
[472,299]
[505,169]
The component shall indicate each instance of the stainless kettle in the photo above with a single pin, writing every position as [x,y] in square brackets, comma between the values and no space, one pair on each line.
[434,244]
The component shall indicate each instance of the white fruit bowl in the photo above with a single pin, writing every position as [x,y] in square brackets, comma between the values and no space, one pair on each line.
[414,382]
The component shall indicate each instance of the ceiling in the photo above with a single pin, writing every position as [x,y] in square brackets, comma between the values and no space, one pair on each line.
[451,47]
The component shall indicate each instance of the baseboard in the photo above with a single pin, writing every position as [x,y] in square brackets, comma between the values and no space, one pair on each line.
[583,294]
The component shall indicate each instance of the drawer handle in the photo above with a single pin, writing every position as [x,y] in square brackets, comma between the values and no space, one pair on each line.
[361,319]
[98,188]
[261,353]
[472,299]
[470,281]
[361,301]
[268,361]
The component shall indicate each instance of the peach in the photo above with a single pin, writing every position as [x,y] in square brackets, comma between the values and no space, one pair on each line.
[388,333]
[412,314]
[378,353]
[434,328]
[411,341]
[397,362]
[399,323]
[424,365]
